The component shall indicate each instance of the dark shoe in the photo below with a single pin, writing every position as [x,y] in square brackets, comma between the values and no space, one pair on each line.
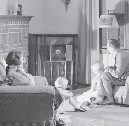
[80,110]
[92,102]
[60,122]
[107,101]
[92,99]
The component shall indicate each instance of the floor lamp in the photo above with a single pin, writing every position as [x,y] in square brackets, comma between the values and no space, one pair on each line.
[108,21]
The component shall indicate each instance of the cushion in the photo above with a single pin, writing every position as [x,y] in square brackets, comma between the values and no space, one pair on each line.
[40,80]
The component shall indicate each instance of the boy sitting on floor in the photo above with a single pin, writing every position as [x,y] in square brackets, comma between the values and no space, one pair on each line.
[67,96]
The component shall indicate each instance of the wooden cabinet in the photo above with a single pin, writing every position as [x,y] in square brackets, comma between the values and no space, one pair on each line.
[60,57]
[55,56]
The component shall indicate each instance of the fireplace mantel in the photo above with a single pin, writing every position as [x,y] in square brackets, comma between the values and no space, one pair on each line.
[15,18]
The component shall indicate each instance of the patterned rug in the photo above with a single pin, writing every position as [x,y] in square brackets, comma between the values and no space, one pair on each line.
[108,115]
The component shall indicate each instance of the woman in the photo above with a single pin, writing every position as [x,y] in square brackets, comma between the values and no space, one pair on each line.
[15,61]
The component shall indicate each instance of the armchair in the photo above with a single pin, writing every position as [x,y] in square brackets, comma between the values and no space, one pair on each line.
[27,105]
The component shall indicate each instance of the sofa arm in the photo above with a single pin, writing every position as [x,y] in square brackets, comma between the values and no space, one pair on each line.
[28,89]
[121,93]
[127,91]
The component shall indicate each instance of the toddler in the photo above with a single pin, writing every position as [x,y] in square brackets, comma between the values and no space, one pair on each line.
[67,96]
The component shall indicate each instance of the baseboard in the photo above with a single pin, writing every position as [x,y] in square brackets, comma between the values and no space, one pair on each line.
[84,85]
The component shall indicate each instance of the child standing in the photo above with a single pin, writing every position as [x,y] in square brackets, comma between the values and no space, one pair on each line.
[96,86]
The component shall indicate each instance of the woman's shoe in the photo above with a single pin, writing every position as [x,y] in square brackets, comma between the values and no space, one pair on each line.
[60,122]
[80,110]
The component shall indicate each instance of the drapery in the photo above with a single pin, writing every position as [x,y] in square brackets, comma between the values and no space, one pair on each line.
[127,23]
[84,39]
[88,42]
[36,55]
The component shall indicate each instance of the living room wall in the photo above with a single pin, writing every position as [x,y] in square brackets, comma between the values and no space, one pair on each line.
[50,16]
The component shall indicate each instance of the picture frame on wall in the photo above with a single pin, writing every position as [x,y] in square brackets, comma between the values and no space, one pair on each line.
[19,11]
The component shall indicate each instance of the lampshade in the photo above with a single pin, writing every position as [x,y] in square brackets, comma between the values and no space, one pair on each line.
[108,21]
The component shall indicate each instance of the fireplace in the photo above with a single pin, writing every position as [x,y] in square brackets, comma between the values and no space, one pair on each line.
[14,30]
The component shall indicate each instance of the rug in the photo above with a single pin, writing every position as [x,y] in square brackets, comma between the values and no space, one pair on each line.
[99,115]
[109,115]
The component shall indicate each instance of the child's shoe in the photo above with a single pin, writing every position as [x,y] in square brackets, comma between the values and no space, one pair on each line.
[59,122]
[80,110]
[92,99]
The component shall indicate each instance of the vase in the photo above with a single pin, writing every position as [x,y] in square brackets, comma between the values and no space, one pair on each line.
[9,8]
[14,7]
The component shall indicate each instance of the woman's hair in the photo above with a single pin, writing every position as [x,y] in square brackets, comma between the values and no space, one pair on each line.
[113,43]
[13,58]
[61,82]
[98,65]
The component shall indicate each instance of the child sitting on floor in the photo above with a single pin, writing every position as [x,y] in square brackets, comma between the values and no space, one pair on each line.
[96,91]
[67,96]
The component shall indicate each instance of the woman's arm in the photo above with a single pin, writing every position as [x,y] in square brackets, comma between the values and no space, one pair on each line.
[27,75]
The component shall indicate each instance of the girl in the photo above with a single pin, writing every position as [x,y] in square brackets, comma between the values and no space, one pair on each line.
[96,86]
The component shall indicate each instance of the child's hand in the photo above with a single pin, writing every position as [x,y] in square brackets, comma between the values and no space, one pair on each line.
[70,93]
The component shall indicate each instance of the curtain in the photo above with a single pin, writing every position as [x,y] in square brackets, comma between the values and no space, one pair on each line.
[36,55]
[84,39]
[32,55]
[127,23]
[40,55]
[88,50]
